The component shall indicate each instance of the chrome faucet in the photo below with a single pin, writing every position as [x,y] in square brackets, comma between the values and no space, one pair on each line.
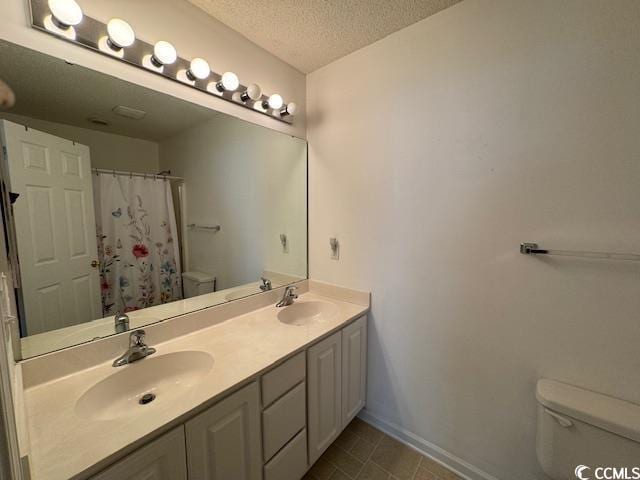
[289,296]
[266,284]
[121,322]
[137,349]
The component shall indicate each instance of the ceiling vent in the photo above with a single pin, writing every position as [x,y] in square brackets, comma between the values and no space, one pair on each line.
[129,112]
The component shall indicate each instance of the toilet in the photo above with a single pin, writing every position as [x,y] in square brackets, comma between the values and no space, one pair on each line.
[197,283]
[580,431]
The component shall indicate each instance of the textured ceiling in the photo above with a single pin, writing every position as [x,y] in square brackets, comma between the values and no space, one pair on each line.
[309,34]
[48,88]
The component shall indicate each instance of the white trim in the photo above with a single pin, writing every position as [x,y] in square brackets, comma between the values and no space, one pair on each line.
[457,465]
[7,411]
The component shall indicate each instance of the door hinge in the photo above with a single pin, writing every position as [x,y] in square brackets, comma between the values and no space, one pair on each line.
[5,155]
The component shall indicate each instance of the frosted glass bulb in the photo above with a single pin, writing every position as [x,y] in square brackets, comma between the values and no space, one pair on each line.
[120,34]
[65,12]
[199,68]
[275,101]
[163,54]
[290,109]
[253,92]
[230,81]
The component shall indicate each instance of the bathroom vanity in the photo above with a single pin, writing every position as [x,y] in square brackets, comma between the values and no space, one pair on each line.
[174,232]
[240,391]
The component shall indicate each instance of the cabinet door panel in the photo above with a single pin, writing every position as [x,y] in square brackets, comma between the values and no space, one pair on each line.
[223,443]
[324,393]
[162,459]
[354,369]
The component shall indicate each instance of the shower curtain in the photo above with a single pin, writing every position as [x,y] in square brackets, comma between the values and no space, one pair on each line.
[137,242]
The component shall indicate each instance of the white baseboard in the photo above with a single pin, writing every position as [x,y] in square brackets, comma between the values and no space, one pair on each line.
[428,449]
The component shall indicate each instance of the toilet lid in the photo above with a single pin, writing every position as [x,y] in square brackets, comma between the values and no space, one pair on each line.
[609,413]
[199,277]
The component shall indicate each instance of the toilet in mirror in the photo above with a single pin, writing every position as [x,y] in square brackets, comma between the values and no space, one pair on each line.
[123,206]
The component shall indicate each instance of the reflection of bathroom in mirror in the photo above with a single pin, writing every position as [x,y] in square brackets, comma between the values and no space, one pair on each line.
[128,206]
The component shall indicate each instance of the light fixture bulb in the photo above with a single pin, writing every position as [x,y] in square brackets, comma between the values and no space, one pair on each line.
[65,13]
[163,54]
[289,109]
[120,34]
[229,82]
[199,69]
[253,92]
[275,102]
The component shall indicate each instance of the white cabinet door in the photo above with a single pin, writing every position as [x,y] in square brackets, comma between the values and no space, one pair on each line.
[162,459]
[324,394]
[55,228]
[223,443]
[354,369]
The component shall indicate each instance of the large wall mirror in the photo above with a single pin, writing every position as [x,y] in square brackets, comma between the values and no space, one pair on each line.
[120,200]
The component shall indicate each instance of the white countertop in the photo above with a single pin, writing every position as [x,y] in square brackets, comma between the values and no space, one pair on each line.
[65,445]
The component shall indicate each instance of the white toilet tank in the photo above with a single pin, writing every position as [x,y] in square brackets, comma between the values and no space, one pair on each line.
[197,283]
[578,427]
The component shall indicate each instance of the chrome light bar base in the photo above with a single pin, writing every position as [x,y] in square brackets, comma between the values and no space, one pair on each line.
[92,34]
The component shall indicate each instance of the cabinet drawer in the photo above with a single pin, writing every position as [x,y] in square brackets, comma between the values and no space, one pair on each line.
[282,420]
[282,378]
[291,462]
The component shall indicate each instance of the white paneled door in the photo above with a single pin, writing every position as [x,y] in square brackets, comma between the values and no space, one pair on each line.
[55,228]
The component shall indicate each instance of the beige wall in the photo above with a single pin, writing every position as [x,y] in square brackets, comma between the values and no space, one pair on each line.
[252,182]
[192,32]
[433,154]
[109,151]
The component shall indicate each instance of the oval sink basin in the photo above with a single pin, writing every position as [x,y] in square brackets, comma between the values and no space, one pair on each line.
[159,379]
[307,313]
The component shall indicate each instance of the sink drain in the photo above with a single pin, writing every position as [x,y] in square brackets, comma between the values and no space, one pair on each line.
[147,398]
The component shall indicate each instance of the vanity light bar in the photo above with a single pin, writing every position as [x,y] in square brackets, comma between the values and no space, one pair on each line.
[64,19]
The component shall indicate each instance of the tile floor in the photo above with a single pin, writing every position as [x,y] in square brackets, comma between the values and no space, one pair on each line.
[363,452]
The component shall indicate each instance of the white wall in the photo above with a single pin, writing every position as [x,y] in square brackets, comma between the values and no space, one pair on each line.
[192,32]
[113,152]
[433,154]
[252,182]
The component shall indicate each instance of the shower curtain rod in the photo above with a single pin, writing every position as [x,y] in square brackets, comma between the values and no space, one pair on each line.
[134,174]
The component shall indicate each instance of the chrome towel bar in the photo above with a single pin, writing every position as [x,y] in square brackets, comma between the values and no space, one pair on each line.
[530,248]
[210,228]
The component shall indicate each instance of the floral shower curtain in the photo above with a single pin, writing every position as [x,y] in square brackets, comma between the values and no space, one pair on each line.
[137,242]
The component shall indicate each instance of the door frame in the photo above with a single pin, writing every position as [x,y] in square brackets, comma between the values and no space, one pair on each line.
[11,239]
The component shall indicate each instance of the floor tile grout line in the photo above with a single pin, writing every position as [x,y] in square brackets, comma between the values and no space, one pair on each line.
[392,477]
[375,445]
[380,466]
[413,477]
[348,452]
[369,458]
